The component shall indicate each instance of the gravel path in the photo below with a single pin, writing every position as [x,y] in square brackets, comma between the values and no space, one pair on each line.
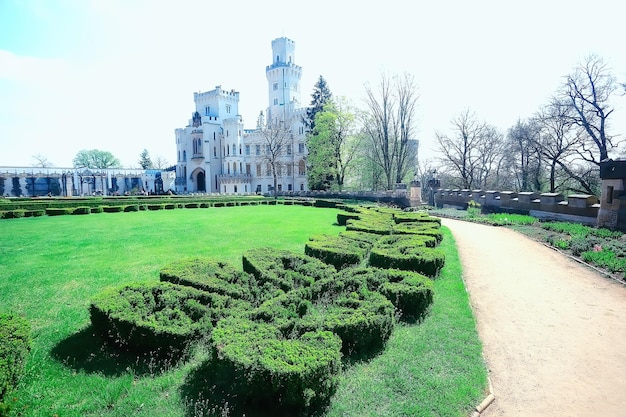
[553,330]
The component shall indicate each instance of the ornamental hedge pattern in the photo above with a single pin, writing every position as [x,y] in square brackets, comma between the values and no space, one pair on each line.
[277,328]
[14,348]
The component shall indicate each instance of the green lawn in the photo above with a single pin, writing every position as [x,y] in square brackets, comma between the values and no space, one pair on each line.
[51,267]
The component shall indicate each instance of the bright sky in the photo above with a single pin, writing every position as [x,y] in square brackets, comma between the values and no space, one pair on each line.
[119,75]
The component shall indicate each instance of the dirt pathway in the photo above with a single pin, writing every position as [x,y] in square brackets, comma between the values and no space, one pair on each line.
[553,331]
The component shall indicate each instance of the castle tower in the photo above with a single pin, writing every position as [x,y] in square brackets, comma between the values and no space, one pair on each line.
[283,80]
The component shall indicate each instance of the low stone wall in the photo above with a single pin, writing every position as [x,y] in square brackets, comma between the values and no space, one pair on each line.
[401,197]
[580,208]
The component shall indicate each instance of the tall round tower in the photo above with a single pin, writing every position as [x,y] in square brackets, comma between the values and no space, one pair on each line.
[283,80]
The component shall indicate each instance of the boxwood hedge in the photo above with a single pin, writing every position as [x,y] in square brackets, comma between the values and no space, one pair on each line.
[269,368]
[157,316]
[336,250]
[14,347]
[284,270]
[427,261]
[211,275]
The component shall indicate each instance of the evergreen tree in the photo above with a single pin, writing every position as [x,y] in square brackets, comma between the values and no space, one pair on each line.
[144,160]
[321,95]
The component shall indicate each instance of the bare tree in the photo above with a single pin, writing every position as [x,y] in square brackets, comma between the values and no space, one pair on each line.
[524,154]
[462,149]
[41,161]
[276,136]
[490,157]
[557,140]
[160,162]
[390,125]
[588,90]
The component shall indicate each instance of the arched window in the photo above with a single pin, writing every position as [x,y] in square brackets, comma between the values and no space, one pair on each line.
[277,58]
[301,167]
[185,157]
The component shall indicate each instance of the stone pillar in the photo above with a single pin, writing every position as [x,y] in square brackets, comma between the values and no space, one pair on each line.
[612,213]
[415,194]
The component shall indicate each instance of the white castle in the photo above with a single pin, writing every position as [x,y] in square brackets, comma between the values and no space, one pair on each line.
[215,154]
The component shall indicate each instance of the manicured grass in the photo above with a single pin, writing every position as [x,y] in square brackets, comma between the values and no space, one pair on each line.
[52,266]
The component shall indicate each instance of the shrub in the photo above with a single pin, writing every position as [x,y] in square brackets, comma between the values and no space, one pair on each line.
[112,209]
[284,270]
[82,210]
[605,259]
[14,346]
[192,205]
[13,214]
[169,206]
[156,317]
[369,238]
[53,211]
[342,218]
[34,213]
[97,209]
[363,321]
[155,206]
[337,251]
[326,203]
[205,205]
[411,296]
[278,372]
[131,207]
[211,275]
[422,259]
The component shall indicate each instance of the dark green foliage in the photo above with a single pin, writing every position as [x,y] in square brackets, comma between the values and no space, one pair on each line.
[369,238]
[327,203]
[336,250]
[112,209]
[211,275]
[82,210]
[422,259]
[97,209]
[427,229]
[14,346]
[284,270]
[155,206]
[415,216]
[192,205]
[58,211]
[156,317]
[34,213]
[1,186]
[342,218]
[12,214]
[131,207]
[273,371]
[363,321]
[169,206]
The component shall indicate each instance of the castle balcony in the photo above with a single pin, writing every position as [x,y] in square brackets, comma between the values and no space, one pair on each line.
[197,156]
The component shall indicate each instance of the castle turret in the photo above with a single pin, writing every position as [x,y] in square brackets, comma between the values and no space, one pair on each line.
[283,78]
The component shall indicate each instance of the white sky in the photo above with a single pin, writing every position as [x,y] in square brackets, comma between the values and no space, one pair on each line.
[119,75]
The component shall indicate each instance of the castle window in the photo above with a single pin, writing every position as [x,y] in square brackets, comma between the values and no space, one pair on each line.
[289,170]
[275,101]
[277,58]
[184,155]
[234,149]
[228,108]
[258,170]
[215,152]
[258,149]
[235,188]
[301,147]
[248,172]
[301,168]
[207,110]
[288,149]
[247,149]
[275,86]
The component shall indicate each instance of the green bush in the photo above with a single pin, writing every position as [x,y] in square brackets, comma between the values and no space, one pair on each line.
[605,259]
[273,370]
[157,316]
[192,205]
[169,206]
[363,321]
[205,205]
[422,259]
[82,210]
[51,211]
[14,346]
[284,270]
[131,207]
[342,218]
[211,275]
[155,206]
[369,238]
[13,214]
[34,213]
[112,209]
[97,209]
[336,250]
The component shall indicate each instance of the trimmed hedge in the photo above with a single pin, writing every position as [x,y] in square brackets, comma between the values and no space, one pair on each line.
[97,209]
[14,347]
[13,214]
[411,293]
[192,205]
[336,250]
[112,209]
[82,210]
[363,321]
[211,275]
[157,316]
[59,211]
[131,207]
[269,368]
[34,213]
[342,218]
[427,261]
[155,206]
[284,270]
